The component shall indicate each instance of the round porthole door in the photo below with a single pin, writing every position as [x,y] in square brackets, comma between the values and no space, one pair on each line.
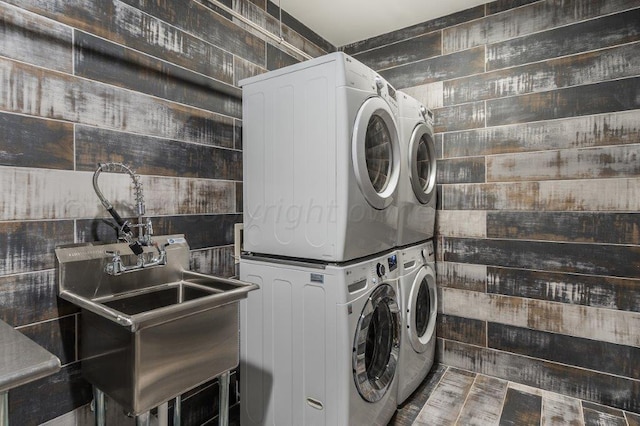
[376,153]
[422,163]
[376,344]
[422,309]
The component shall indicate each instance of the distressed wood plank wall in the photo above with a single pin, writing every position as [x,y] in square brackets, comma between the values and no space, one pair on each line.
[537,115]
[153,84]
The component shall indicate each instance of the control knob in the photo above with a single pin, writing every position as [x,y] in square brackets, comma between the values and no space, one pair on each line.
[423,111]
[380,270]
[379,83]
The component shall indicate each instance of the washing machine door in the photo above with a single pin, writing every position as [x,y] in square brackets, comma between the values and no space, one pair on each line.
[376,153]
[376,344]
[422,163]
[422,309]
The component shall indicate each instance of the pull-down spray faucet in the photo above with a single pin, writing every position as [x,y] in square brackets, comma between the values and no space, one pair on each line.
[145,229]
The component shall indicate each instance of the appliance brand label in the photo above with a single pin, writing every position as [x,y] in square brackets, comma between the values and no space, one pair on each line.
[317,278]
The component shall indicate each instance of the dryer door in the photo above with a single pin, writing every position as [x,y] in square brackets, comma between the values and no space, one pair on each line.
[422,163]
[376,153]
[376,344]
[422,309]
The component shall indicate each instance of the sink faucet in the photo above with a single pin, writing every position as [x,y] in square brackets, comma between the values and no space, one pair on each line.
[145,228]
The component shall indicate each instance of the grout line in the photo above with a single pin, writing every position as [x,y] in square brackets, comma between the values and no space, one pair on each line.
[466,398]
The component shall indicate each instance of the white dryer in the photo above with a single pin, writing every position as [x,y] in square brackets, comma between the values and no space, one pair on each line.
[319,343]
[321,161]
[418,303]
[417,187]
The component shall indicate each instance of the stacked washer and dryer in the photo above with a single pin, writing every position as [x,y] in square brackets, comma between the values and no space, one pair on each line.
[322,339]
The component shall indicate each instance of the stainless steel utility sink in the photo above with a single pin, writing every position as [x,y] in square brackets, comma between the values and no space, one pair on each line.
[146,336]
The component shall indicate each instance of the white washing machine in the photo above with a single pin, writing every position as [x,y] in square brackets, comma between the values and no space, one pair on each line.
[418,303]
[417,187]
[321,161]
[319,343]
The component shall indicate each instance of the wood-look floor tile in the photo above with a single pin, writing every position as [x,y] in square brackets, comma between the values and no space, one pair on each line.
[445,403]
[521,408]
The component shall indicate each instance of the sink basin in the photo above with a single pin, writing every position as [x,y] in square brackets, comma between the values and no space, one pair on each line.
[149,335]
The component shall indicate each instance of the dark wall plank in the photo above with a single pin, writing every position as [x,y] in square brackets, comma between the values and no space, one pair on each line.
[609,260]
[156,156]
[403,52]
[57,336]
[597,418]
[592,67]
[415,30]
[200,230]
[591,227]
[577,132]
[32,297]
[618,95]
[32,142]
[579,352]
[504,5]
[435,69]
[29,246]
[460,329]
[461,170]
[521,408]
[70,98]
[589,35]
[460,117]
[529,19]
[100,60]
[576,382]
[277,59]
[597,291]
[244,69]
[56,395]
[632,419]
[216,261]
[30,38]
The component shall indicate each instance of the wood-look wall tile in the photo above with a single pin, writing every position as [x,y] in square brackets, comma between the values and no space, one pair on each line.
[445,403]
[57,336]
[461,170]
[244,69]
[239,197]
[498,6]
[592,67]
[216,261]
[415,30]
[597,418]
[484,402]
[521,408]
[101,60]
[461,223]
[556,407]
[403,52]
[603,409]
[277,59]
[460,117]
[591,354]
[576,382]
[462,329]
[617,95]
[632,419]
[577,132]
[462,276]
[51,94]
[577,289]
[32,297]
[56,395]
[430,94]
[30,38]
[435,69]
[156,156]
[32,142]
[572,195]
[533,18]
[591,259]
[578,321]
[584,163]
[237,134]
[584,36]
[29,246]
[587,227]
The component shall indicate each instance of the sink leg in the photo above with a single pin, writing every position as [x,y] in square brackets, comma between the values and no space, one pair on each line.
[163,414]
[143,419]
[223,414]
[4,409]
[177,410]
[100,411]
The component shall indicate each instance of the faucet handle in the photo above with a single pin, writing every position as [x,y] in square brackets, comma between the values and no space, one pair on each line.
[114,253]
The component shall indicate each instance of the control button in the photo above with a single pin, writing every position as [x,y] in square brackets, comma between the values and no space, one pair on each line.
[380,269]
[423,111]
[379,83]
